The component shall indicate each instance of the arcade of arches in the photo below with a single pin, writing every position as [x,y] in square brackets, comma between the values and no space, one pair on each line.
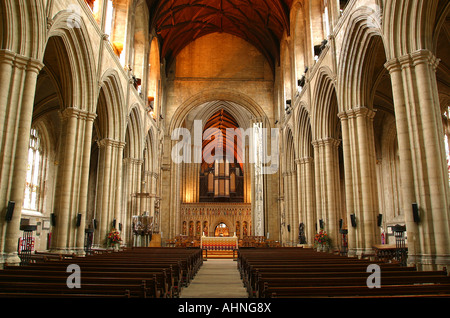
[353,98]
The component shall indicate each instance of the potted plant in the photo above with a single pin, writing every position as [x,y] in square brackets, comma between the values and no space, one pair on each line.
[322,241]
[113,239]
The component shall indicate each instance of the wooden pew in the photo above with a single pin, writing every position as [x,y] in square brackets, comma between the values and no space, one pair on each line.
[341,281]
[145,272]
[434,290]
[114,286]
[155,277]
[30,289]
[305,273]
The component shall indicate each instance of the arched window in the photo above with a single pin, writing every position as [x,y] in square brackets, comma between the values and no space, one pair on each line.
[33,187]
[221,230]
[446,120]
[221,177]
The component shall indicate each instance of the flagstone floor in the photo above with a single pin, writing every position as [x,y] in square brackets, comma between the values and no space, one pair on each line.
[217,278]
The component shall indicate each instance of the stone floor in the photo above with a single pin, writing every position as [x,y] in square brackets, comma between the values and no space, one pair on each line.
[217,278]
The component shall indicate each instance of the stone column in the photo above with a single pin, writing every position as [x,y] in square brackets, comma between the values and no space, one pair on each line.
[327,174]
[153,192]
[318,174]
[128,168]
[119,215]
[305,171]
[423,166]
[301,194]
[285,209]
[65,186]
[361,180]
[18,77]
[104,184]
[289,205]
[133,185]
[295,208]
[349,187]
[87,144]
[333,189]
[367,164]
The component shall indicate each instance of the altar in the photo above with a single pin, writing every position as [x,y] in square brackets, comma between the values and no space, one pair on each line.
[222,243]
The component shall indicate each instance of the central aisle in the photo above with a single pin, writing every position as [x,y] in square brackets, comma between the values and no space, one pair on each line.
[217,278]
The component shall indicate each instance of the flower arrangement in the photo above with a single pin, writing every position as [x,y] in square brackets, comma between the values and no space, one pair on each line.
[113,237]
[322,239]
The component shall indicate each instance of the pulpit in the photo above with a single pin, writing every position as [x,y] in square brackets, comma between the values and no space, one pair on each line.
[142,230]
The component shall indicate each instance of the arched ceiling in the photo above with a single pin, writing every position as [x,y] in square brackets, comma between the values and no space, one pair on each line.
[221,121]
[259,22]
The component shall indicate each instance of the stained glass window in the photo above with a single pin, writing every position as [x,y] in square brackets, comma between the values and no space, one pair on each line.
[34,168]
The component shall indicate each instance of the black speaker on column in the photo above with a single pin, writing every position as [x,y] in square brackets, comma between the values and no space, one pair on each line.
[53,219]
[353,220]
[415,210]
[341,223]
[94,223]
[380,220]
[10,210]
[78,219]
[114,224]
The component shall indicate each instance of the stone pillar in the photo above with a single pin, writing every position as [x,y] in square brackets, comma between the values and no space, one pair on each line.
[128,177]
[109,187]
[361,181]
[133,185]
[367,164]
[104,184]
[305,171]
[65,186]
[288,206]
[153,191]
[285,209]
[166,189]
[18,77]
[86,158]
[301,192]
[119,215]
[295,208]
[423,166]
[349,187]
[327,174]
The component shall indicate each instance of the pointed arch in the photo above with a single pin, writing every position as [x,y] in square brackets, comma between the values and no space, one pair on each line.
[290,151]
[24,26]
[355,71]
[216,95]
[304,133]
[324,115]
[110,107]
[79,71]
[134,138]
[408,26]
[151,148]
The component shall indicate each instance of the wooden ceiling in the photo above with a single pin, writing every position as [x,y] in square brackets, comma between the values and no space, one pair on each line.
[221,121]
[259,22]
